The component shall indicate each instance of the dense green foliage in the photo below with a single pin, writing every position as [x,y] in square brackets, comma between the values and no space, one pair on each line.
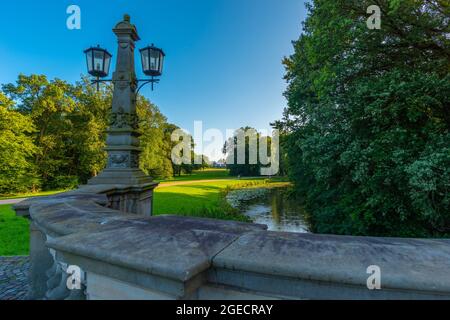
[17,170]
[52,134]
[368,118]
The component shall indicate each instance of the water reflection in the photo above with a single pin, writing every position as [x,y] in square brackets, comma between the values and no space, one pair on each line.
[278,212]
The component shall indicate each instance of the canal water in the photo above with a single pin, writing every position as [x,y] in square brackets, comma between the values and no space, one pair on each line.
[276,210]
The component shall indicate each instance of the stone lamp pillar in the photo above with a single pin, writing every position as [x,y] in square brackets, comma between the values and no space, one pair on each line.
[134,190]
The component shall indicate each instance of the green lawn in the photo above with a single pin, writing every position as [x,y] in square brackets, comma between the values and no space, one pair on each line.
[202,175]
[203,199]
[207,174]
[31,194]
[14,233]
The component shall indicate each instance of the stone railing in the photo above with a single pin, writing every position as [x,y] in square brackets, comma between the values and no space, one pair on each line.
[130,256]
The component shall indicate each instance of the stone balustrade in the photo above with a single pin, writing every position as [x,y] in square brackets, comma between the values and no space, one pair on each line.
[130,256]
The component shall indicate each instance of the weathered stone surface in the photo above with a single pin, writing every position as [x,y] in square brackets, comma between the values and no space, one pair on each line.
[130,176]
[40,261]
[107,288]
[93,194]
[178,257]
[166,254]
[69,217]
[406,264]
[134,199]
[168,246]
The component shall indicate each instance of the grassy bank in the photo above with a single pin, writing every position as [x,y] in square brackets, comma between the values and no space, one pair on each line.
[202,175]
[207,174]
[31,194]
[14,233]
[201,199]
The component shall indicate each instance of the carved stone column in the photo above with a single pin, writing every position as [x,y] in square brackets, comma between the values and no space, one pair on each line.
[122,142]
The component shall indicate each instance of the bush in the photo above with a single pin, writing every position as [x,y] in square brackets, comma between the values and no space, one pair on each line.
[63,182]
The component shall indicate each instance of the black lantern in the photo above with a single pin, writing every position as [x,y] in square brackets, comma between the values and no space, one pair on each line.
[152,61]
[98,61]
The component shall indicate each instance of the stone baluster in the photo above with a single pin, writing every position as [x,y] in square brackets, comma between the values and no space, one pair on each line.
[57,288]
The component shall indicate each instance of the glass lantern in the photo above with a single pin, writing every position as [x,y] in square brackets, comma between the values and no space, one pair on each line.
[98,61]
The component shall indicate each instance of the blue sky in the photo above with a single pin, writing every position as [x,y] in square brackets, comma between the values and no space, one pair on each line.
[223,63]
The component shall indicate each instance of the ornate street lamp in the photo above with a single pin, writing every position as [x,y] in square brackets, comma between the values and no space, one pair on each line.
[152,59]
[122,143]
[98,61]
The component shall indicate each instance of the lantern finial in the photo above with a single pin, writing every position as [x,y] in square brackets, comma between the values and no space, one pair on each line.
[126,18]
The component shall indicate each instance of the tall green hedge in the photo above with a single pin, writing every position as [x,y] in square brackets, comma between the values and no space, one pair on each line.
[368,118]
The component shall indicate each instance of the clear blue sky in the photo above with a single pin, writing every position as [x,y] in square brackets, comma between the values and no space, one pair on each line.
[223,63]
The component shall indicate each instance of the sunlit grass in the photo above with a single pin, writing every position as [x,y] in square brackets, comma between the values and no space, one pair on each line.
[14,233]
[31,194]
[201,199]
[202,175]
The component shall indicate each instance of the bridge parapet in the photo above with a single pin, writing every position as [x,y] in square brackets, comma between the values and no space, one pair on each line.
[129,256]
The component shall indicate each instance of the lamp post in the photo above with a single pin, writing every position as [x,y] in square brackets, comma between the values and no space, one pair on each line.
[122,143]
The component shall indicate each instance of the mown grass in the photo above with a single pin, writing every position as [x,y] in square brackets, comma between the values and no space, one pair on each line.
[207,174]
[14,233]
[31,194]
[206,199]
[202,175]
[200,199]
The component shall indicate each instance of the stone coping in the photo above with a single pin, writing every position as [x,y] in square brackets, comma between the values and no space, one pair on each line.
[405,264]
[181,248]
[174,247]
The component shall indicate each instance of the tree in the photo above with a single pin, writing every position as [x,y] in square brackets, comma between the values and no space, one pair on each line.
[249,166]
[17,172]
[206,163]
[71,123]
[154,158]
[60,132]
[169,145]
[88,131]
[368,118]
[47,103]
